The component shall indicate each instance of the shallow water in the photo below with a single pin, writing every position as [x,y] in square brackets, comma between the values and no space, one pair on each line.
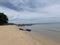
[50,30]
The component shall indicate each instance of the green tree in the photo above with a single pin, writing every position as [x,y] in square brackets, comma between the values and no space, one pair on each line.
[3,19]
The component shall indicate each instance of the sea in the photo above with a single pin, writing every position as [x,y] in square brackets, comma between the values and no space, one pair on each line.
[50,30]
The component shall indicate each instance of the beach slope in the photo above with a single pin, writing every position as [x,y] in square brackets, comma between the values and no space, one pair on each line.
[10,35]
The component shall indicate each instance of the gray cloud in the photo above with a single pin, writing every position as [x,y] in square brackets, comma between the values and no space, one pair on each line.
[29,5]
[31,9]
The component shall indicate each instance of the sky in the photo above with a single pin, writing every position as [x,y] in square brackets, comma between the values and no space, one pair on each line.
[27,11]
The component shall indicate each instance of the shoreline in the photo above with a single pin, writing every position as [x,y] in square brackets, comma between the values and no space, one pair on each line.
[46,40]
[11,35]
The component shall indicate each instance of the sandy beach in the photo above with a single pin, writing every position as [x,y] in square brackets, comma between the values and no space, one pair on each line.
[11,35]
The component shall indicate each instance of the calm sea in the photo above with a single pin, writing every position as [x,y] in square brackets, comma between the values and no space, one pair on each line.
[50,30]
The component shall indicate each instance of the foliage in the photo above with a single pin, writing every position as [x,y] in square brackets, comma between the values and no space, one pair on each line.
[3,19]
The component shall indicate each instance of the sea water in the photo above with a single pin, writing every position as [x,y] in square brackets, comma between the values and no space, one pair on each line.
[50,30]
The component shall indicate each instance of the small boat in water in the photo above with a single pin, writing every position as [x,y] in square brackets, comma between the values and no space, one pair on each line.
[28,29]
[25,28]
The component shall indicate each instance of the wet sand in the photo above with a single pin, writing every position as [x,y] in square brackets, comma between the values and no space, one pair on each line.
[11,35]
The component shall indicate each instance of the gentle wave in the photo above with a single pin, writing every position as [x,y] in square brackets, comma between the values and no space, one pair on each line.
[54,30]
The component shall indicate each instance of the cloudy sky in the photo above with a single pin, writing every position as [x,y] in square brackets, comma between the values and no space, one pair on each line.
[27,11]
